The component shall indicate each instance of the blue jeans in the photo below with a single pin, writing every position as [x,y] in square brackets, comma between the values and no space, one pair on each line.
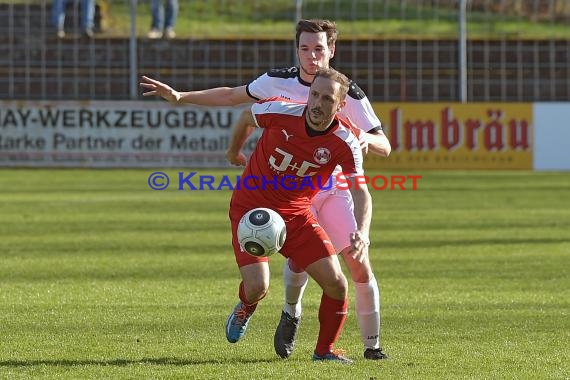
[164,17]
[87,13]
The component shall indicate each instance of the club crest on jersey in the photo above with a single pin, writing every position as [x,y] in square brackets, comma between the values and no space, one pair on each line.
[322,155]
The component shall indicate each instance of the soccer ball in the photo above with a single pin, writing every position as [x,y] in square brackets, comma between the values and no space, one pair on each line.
[261,232]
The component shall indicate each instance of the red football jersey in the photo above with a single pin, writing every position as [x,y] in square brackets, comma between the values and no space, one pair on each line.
[290,164]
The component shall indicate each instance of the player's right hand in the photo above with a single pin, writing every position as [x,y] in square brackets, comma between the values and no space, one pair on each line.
[154,87]
[359,246]
[237,159]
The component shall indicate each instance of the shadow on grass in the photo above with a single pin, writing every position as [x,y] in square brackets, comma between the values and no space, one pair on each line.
[126,362]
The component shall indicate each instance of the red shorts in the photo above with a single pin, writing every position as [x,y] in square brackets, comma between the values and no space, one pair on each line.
[306,242]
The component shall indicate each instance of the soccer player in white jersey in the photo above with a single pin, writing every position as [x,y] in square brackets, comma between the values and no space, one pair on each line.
[316,43]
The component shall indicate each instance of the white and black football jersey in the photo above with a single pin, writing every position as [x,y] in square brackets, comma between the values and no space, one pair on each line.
[287,83]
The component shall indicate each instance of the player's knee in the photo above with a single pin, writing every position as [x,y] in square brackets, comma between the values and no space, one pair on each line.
[256,288]
[361,273]
[338,287]
[361,276]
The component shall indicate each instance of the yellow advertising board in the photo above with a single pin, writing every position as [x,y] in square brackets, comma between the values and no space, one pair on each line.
[456,136]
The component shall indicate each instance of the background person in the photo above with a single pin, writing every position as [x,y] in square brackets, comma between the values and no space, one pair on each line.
[87,15]
[163,18]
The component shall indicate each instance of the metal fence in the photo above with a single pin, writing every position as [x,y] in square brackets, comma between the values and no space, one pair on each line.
[408,50]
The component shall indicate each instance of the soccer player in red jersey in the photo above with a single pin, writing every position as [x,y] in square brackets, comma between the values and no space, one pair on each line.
[299,149]
[333,207]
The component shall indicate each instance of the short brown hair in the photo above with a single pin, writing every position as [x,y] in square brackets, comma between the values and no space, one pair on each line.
[337,76]
[317,26]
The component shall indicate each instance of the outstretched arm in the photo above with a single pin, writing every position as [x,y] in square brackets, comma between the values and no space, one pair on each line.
[219,96]
[241,131]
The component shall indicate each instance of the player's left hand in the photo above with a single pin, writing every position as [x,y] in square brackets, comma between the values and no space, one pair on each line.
[359,246]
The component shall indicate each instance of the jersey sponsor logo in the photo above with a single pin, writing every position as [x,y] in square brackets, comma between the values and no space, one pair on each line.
[287,136]
[322,155]
[280,164]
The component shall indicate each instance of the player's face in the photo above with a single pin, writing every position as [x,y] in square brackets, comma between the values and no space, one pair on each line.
[323,103]
[313,53]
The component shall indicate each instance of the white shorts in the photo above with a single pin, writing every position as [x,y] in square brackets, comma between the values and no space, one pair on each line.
[334,210]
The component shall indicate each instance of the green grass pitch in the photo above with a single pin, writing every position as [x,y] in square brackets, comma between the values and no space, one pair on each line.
[101,277]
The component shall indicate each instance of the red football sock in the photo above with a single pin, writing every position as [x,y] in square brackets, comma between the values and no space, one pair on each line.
[249,307]
[332,315]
